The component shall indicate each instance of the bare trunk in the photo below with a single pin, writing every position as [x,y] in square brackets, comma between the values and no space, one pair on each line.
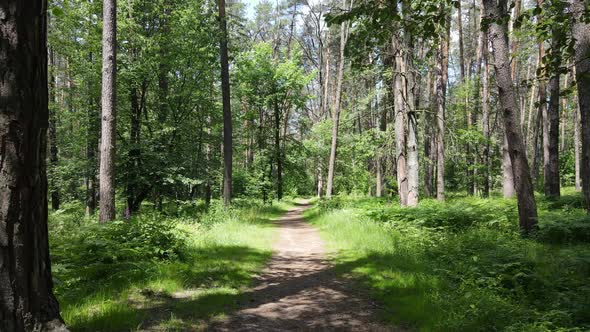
[551,133]
[581,33]
[336,111]
[400,123]
[327,78]
[413,165]
[507,175]
[91,148]
[225,96]
[429,142]
[109,111]
[441,87]
[27,302]
[536,146]
[208,163]
[562,121]
[531,110]
[485,119]
[320,182]
[576,124]
[278,155]
[527,207]
[134,155]
[410,103]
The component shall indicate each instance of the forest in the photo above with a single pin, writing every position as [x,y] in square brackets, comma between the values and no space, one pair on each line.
[294,165]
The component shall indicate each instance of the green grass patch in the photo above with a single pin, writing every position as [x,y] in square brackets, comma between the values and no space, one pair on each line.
[461,265]
[169,272]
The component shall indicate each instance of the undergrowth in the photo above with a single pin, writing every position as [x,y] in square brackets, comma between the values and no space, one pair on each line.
[462,265]
[172,269]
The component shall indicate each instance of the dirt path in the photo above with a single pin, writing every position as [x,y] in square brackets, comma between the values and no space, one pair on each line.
[299,291]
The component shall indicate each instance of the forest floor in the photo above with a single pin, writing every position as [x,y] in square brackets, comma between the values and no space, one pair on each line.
[300,290]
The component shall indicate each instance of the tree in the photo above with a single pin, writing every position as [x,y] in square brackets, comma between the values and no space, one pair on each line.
[109,111]
[400,120]
[442,57]
[27,302]
[551,124]
[495,11]
[581,34]
[336,107]
[225,98]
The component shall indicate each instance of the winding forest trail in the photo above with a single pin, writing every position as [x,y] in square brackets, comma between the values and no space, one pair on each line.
[300,291]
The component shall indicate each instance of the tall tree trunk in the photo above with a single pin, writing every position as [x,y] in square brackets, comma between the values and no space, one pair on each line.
[91,151]
[278,154]
[326,88]
[336,110]
[27,302]
[53,150]
[563,121]
[320,181]
[412,140]
[208,163]
[225,96]
[441,90]
[468,115]
[531,108]
[551,130]
[581,33]
[497,33]
[429,141]
[380,158]
[92,139]
[542,108]
[109,111]
[413,165]
[507,175]
[485,119]
[400,121]
[134,154]
[576,124]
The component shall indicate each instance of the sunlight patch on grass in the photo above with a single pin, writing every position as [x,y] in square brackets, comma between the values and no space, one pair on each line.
[217,265]
[462,265]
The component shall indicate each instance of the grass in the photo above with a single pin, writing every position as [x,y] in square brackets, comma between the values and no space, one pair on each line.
[461,265]
[169,272]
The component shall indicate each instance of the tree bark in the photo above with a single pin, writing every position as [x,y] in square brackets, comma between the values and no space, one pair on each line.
[576,124]
[109,111]
[320,181]
[134,155]
[91,151]
[27,302]
[495,10]
[551,131]
[562,120]
[429,140]
[278,154]
[400,121]
[507,175]
[326,87]
[336,110]
[410,106]
[441,90]
[581,33]
[485,119]
[225,96]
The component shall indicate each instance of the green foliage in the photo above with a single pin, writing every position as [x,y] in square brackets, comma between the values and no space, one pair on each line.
[462,265]
[131,274]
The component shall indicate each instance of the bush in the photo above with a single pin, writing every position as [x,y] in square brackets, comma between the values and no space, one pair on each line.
[565,231]
[462,265]
[112,251]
